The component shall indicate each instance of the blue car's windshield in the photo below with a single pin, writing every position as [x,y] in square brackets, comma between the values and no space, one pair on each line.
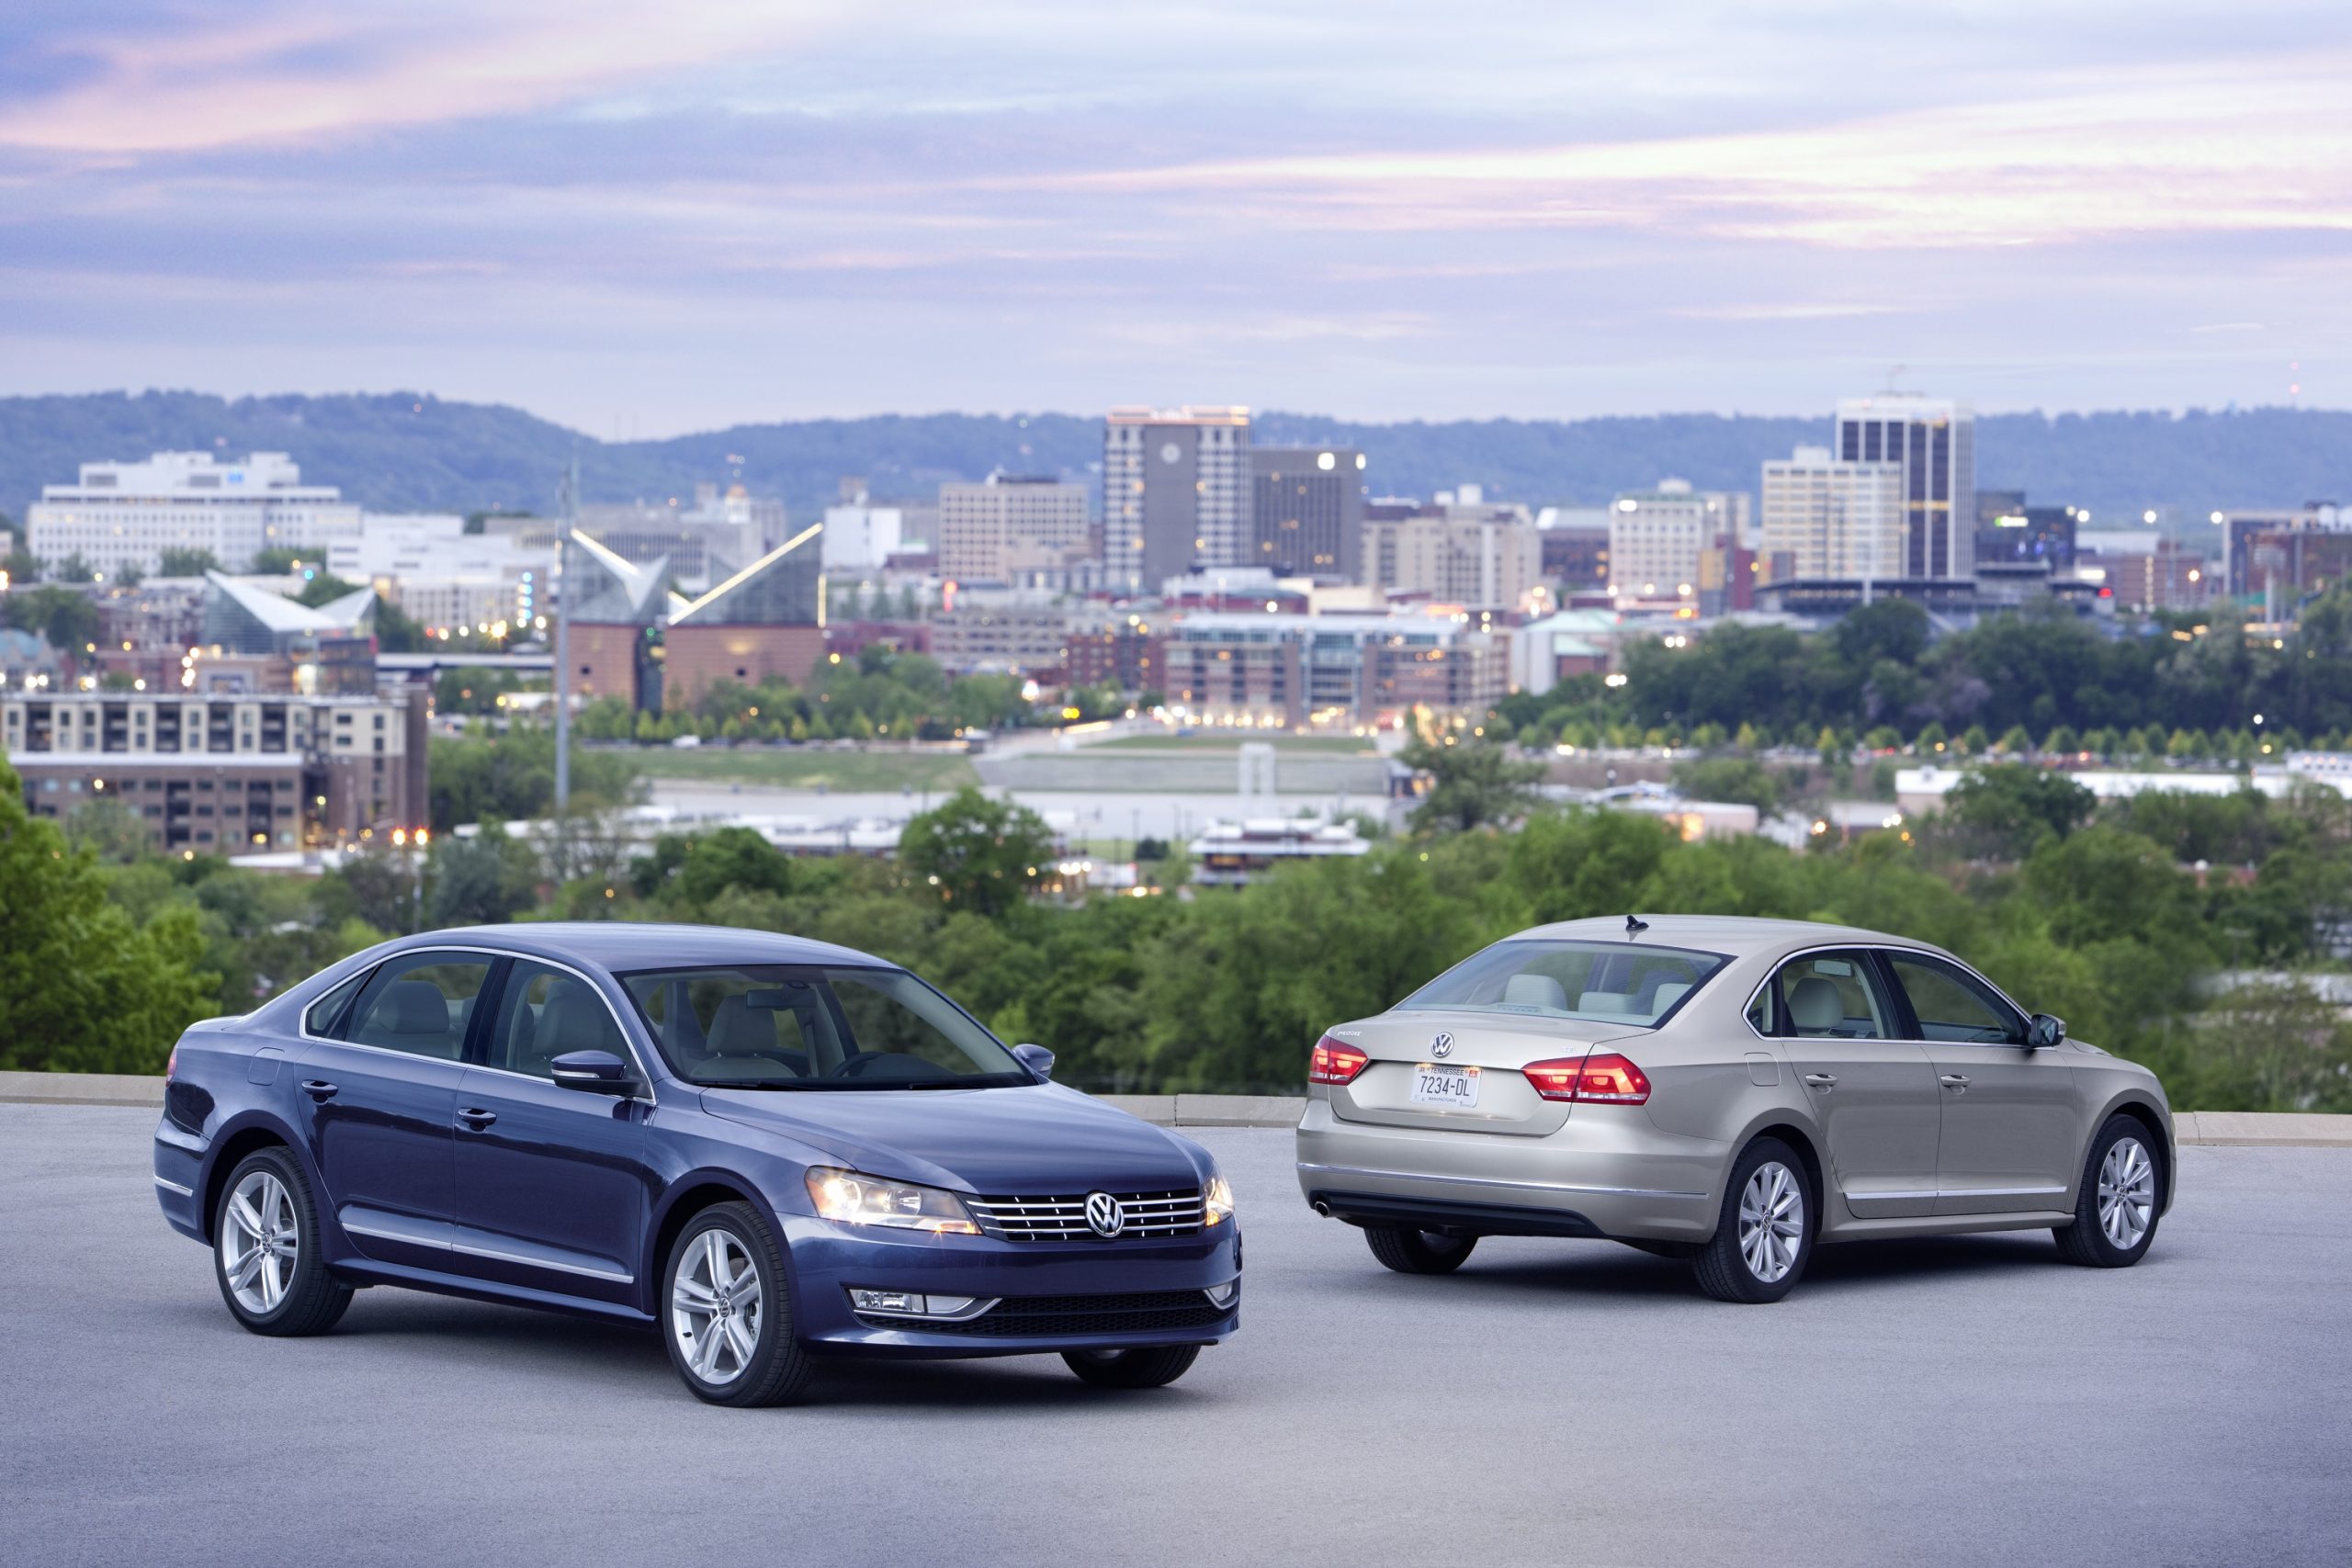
[826,1027]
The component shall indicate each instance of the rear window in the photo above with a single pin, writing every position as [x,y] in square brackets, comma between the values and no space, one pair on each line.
[1611,982]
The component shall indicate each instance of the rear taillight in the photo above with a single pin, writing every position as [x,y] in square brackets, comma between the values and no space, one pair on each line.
[1604,1079]
[172,1065]
[1335,1063]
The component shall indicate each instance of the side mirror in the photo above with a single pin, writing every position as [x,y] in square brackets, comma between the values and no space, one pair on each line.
[2044,1031]
[1036,1058]
[598,1072]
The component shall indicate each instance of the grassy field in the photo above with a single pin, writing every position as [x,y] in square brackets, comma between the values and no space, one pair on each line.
[1231,741]
[807,769]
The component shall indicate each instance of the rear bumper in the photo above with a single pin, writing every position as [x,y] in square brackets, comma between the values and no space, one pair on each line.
[1608,1172]
[1144,1292]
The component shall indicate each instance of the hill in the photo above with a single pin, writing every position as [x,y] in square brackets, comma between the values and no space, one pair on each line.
[407,451]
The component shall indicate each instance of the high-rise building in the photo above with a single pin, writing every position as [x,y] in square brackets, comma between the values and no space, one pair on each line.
[1176,492]
[121,514]
[1482,564]
[1825,518]
[1306,511]
[989,530]
[1935,441]
[1655,538]
[2011,534]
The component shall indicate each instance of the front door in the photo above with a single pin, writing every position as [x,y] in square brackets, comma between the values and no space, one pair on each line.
[382,1096]
[552,1189]
[2011,1141]
[1872,1093]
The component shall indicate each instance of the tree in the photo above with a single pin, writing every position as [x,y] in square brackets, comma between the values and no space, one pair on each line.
[83,988]
[185,560]
[982,854]
[2013,806]
[1741,779]
[64,615]
[1474,783]
[481,879]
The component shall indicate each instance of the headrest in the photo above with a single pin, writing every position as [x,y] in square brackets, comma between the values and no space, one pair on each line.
[1667,995]
[1815,1006]
[1536,991]
[414,1007]
[572,1018]
[737,1031]
[1605,1001]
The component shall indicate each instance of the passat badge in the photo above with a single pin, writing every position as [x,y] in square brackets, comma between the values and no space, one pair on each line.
[1443,1046]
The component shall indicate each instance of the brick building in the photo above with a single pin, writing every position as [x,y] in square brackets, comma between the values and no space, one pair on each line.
[767,622]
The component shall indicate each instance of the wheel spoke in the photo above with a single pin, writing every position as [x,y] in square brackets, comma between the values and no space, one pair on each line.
[240,1209]
[247,1265]
[691,1295]
[706,1362]
[739,1341]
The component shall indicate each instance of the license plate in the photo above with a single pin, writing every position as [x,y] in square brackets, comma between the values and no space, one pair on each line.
[1456,1088]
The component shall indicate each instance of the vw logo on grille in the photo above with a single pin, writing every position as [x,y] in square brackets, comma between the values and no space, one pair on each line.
[1443,1046]
[1104,1215]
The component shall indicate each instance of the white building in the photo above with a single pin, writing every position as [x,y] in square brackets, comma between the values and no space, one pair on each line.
[1655,538]
[121,514]
[1825,517]
[860,535]
[1482,564]
[1934,439]
[718,534]
[1177,491]
[440,575]
[989,531]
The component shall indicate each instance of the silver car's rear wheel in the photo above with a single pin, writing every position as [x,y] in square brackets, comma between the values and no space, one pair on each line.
[1771,1222]
[1764,1233]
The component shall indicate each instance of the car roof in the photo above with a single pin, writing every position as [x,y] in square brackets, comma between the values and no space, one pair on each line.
[1739,936]
[624,945]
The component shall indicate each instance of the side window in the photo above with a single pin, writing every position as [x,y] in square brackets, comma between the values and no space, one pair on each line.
[420,1003]
[1833,996]
[544,1013]
[328,1010]
[1760,1012]
[1951,1004]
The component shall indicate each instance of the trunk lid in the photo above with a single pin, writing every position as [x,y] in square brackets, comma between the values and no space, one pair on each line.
[1492,1046]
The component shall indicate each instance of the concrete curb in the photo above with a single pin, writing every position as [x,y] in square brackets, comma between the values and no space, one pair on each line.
[2242,1129]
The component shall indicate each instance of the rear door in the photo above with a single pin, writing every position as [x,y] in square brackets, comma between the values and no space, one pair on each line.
[551,1185]
[1872,1093]
[2010,1138]
[381,1097]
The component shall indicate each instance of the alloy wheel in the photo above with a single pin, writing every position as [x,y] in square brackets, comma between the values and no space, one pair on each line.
[716,1306]
[2127,1193]
[261,1242]
[1771,1222]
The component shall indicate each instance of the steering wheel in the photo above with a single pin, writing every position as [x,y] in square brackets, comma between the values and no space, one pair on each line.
[854,1066]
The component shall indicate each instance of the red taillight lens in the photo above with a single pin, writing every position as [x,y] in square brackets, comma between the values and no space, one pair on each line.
[1605,1078]
[172,1065]
[1335,1063]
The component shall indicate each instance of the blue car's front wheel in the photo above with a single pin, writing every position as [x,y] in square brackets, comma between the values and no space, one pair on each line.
[723,1310]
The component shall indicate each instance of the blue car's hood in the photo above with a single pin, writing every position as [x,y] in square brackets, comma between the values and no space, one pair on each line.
[992,1142]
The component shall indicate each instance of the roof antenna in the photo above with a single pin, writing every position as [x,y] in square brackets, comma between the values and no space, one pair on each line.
[1635,925]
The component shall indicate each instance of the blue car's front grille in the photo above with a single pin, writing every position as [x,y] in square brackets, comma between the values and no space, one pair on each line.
[1062,1216]
[1050,1317]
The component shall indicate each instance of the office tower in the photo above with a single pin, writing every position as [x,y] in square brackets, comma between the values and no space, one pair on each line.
[1656,536]
[987,531]
[1935,441]
[1306,511]
[122,514]
[1825,518]
[1176,492]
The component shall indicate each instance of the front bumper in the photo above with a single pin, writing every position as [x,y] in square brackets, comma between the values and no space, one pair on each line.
[1046,1291]
[1609,1171]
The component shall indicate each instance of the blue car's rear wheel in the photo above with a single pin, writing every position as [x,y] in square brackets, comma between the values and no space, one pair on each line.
[723,1310]
[266,1250]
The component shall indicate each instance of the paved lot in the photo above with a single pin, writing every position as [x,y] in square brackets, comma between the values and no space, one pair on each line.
[1962,1401]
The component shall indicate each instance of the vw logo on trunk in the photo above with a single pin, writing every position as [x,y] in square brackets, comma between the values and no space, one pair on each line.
[1104,1215]
[1443,1046]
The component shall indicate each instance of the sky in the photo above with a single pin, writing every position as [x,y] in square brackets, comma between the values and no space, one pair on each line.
[642,220]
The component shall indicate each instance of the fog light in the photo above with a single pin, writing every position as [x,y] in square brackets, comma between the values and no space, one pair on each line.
[1225,1294]
[912,1303]
[888,1301]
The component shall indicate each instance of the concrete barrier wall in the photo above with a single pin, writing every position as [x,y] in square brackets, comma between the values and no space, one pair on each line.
[2304,1130]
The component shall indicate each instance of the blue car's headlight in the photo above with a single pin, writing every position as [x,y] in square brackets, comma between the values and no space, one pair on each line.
[850,1199]
[1218,1196]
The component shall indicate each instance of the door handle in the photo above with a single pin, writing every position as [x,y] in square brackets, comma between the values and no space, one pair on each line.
[475,1121]
[1820,1081]
[317,1089]
[1955,1081]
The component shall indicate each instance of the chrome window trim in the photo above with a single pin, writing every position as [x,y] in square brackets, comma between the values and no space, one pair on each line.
[1879,947]
[302,1020]
[2025,1019]
[1496,1181]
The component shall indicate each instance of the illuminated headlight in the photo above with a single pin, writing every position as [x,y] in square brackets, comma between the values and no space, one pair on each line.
[1218,1196]
[846,1198]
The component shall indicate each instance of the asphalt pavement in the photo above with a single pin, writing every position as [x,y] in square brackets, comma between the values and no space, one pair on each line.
[1962,1401]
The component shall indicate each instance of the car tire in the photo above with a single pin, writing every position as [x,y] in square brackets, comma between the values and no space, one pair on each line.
[1764,1237]
[1418,1252]
[2119,1199]
[266,1251]
[1152,1366]
[731,1345]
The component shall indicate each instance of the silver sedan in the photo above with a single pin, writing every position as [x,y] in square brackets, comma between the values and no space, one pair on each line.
[1732,1091]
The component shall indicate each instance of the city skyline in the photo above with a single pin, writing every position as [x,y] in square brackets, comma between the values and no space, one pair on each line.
[824,209]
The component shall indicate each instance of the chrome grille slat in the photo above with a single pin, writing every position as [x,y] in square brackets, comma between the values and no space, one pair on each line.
[1062,1217]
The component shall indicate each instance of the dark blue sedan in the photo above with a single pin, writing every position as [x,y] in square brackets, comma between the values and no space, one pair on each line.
[775,1149]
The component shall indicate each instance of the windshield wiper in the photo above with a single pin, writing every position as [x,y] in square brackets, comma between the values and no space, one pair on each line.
[746,1083]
